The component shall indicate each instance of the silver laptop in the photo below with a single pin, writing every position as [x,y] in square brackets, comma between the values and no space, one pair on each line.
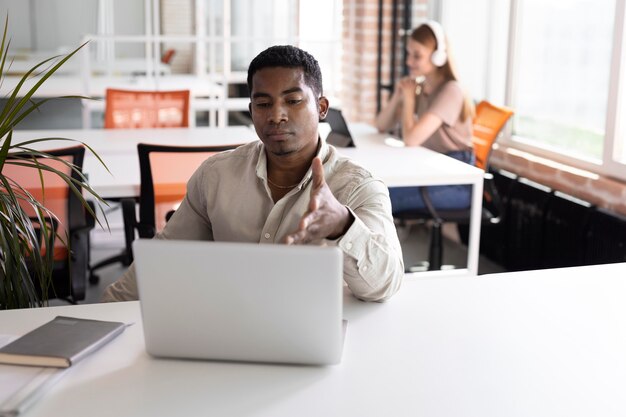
[241,301]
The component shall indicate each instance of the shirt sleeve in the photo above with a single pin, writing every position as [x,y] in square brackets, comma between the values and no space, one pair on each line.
[190,221]
[373,265]
[448,103]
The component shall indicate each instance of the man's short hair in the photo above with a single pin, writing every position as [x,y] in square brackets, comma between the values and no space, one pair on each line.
[288,56]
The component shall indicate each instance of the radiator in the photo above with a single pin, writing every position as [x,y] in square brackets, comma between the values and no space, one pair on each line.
[605,238]
[545,229]
[493,236]
[565,221]
[524,225]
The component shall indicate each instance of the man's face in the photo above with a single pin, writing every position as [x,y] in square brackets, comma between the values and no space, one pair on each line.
[285,111]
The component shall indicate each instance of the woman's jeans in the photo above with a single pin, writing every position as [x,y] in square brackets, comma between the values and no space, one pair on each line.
[443,197]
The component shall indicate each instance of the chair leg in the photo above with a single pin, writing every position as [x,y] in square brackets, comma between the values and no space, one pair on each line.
[126,256]
[130,225]
[436,249]
[122,258]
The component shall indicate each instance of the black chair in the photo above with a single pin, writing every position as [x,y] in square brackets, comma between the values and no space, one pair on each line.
[492,212]
[161,188]
[71,263]
[487,124]
[123,257]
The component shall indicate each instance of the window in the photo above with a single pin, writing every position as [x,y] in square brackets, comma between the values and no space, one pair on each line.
[561,74]
[558,67]
[320,35]
[258,24]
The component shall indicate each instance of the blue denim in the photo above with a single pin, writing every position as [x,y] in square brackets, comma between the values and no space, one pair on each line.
[444,197]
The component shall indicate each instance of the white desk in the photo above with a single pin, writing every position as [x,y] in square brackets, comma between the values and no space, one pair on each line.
[72,67]
[395,166]
[118,149]
[411,166]
[206,95]
[539,343]
[63,85]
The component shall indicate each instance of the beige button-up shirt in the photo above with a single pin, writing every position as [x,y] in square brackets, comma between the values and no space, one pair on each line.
[228,199]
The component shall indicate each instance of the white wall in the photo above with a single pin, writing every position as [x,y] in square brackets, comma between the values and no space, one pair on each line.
[55,25]
[19,22]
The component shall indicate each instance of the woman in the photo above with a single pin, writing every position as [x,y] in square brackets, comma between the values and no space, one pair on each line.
[432,111]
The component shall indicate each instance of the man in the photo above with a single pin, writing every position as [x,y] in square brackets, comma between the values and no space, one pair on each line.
[290,187]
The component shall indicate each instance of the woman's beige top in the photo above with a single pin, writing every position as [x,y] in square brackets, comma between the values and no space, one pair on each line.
[446,102]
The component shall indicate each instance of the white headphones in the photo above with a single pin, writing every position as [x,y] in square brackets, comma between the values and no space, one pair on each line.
[439,56]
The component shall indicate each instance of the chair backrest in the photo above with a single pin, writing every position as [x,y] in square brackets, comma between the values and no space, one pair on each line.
[56,195]
[165,171]
[128,109]
[167,56]
[487,124]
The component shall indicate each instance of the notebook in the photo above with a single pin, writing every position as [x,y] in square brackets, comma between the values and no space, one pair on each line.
[340,134]
[241,301]
[60,342]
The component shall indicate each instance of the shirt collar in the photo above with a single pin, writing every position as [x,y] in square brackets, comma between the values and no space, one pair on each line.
[261,165]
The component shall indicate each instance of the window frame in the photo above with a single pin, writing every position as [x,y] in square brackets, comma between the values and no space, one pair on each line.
[615,130]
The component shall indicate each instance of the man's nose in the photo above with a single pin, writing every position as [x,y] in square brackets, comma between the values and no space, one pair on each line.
[277,114]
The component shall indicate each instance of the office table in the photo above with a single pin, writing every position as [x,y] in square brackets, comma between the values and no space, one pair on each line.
[206,94]
[535,343]
[409,166]
[119,66]
[118,149]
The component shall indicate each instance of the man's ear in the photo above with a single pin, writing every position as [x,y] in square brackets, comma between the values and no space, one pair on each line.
[323,106]
[250,108]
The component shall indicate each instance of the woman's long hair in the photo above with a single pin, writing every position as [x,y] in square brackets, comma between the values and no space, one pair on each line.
[424,35]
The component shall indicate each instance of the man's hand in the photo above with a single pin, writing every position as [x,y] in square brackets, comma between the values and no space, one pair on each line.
[326,217]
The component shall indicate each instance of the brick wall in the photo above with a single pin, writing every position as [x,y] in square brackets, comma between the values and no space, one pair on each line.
[360,45]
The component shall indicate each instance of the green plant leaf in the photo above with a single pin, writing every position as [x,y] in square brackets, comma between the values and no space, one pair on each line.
[27,242]
[4,150]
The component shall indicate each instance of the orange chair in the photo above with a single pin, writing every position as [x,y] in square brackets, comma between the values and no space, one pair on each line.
[487,125]
[165,171]
[127,109]
[141,109]
[72,221]
[167,56]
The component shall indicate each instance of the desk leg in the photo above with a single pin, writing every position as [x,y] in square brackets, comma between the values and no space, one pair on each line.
[85,115]
[473,247]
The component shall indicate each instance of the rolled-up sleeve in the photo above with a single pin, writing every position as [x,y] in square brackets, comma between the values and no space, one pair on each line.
[373,265]
[188,222]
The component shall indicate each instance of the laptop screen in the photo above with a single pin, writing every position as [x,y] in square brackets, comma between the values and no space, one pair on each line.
[200,301]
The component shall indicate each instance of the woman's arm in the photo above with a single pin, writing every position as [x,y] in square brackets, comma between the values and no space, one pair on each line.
[391,113]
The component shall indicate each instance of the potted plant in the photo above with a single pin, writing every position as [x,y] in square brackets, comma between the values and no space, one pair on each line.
[26,242]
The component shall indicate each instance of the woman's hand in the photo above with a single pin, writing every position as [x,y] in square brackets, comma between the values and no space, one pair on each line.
[407,86]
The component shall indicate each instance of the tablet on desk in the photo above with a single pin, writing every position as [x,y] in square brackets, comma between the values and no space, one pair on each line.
[339,135]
